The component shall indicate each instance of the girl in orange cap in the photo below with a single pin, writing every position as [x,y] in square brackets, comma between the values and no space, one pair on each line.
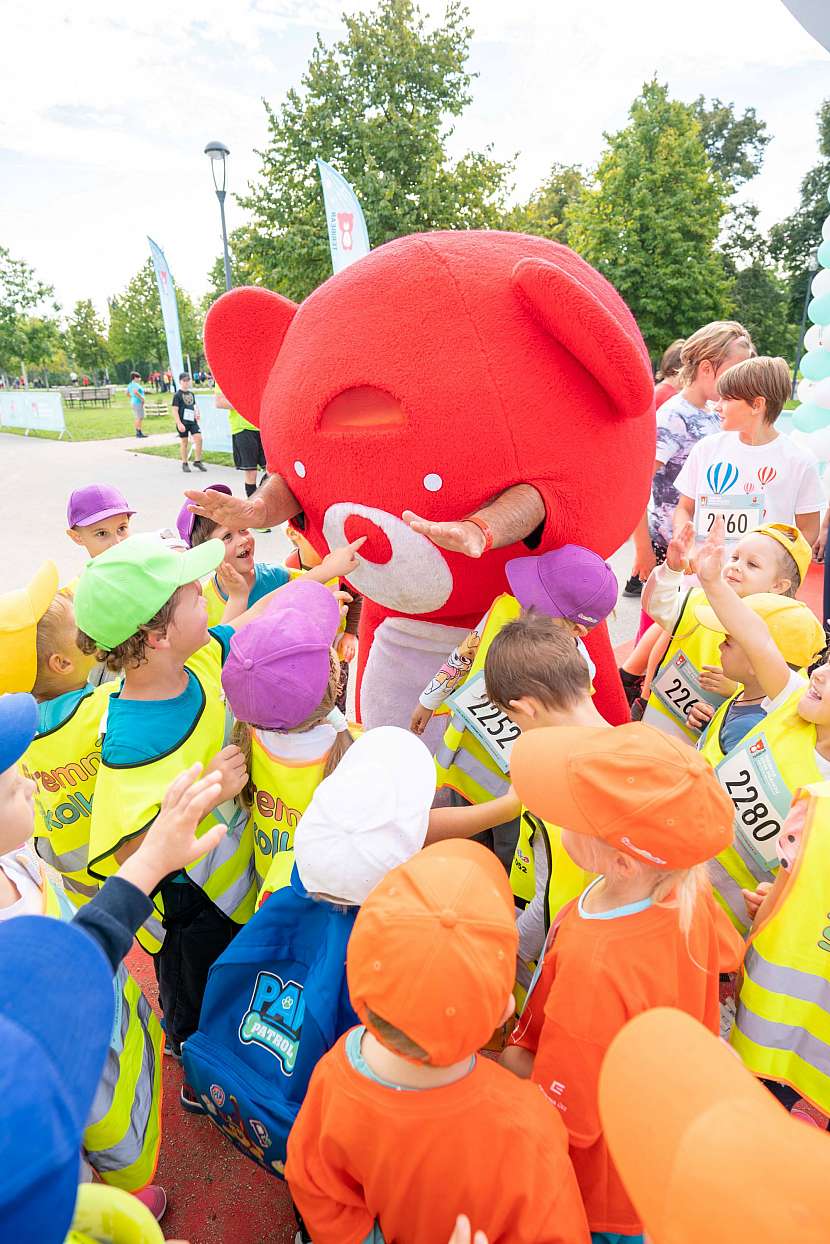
[645,812]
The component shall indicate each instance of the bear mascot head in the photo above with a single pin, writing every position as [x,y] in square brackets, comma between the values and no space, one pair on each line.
[433,375]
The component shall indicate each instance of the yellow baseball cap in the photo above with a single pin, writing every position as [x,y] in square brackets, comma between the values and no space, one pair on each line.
[793,626]
[791,539]
[20,612]
[703,1148]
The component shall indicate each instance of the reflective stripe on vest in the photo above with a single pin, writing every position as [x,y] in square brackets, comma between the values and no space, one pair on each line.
[123,1131]
[462,762]
[701,647]
[64,763]
[790,742]
[782,1026]
[282,792]
[128,798]
[523,867]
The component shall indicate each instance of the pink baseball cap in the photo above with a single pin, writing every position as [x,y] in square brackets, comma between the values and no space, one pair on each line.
[187,517]
[278,667]
[571,582]
[93,503]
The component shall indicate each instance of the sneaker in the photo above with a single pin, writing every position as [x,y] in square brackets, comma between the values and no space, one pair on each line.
[634,587]
[632,685]
[190,1102]
[199,465]
[155,1199]
[186,467]
[142,436]
[172,1049]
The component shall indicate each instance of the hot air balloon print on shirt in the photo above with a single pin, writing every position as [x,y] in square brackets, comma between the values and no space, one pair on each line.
[721,476]
[766,475]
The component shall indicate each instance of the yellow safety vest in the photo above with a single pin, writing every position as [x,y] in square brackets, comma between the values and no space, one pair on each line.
[128,798]
[566,880]
[782,1027]
[215,603]
[295,572]
[282,792]
[123,1131]
[760,775]
[462,761]
[675,687]
[64,763]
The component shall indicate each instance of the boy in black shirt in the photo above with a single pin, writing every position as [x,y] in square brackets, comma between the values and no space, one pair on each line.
[186,414]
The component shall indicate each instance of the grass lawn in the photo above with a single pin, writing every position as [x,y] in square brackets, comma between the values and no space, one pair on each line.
[103,423]
[172,451]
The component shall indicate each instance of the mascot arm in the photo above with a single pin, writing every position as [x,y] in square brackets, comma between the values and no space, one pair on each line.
[510,517]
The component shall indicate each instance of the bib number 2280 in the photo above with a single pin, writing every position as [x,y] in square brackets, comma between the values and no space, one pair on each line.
[760,798]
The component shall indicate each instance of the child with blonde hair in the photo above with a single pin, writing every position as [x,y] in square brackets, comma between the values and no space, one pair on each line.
[643,811]
[39,653]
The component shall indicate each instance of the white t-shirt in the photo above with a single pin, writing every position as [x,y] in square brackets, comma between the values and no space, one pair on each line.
[721,466]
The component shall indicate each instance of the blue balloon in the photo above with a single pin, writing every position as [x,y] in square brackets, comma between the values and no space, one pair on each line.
[721,476]
[819,310]
[811,418]
[784,423]
[824,253]
[816,364]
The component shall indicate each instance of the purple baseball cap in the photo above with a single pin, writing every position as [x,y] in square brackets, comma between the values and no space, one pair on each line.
[95,502]
[570,582]
[187,517]
[278,666]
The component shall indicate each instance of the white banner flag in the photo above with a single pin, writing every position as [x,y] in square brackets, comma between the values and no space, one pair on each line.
[348,236]
[169,311]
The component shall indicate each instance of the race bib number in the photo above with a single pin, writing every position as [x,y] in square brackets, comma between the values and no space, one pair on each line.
[678,689]
[761,799]
[740,514]
[496,732]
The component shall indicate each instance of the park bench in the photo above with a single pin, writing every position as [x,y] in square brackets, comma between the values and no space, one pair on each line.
[87,395]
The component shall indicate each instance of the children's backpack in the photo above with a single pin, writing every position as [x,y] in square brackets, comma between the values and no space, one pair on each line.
[276,1000]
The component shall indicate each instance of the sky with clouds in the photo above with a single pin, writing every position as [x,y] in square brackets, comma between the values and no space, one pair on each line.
[105,107]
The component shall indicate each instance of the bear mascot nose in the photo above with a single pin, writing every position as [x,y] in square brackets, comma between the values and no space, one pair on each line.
[377,548]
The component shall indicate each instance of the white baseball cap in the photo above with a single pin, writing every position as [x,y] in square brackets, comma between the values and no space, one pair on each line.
[370,815]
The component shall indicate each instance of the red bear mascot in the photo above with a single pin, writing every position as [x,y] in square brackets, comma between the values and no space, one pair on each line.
[445,375]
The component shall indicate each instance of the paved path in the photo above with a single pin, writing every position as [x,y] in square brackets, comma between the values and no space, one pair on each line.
[38,476]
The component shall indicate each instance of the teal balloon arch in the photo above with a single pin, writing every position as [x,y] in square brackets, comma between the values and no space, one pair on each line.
[813,414]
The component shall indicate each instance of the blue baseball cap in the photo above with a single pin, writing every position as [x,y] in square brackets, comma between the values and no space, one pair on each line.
[18,725]
[56,1016]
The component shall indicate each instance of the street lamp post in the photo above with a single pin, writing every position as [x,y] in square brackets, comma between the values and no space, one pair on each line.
[219,153]
[813,269]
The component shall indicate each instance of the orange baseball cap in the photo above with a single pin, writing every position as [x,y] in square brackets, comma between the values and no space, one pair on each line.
[433,950]
[647,794]
[704,1150]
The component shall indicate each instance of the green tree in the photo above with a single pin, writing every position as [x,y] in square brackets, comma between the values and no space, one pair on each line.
[136,331]
[21,293]
[651,219]
[735,144]
[759,295]
[379,105]
[86,338]
[793,238]
[545,212]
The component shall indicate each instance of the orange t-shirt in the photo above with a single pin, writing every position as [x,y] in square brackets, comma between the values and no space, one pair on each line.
[488,1146]
[596,976]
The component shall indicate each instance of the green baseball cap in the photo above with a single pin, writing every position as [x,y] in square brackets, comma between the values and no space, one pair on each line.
[125,587]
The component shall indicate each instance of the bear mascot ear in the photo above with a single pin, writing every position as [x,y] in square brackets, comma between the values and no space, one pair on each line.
[244,331]
[586,315]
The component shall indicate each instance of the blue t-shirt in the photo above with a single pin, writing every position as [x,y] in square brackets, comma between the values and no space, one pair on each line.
[141,730]
[267,579]
[53,713]
[135,392]
[739,720]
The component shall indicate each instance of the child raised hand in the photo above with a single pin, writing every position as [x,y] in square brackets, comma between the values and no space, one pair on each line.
[170,843]
[711,556]
[680,547]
